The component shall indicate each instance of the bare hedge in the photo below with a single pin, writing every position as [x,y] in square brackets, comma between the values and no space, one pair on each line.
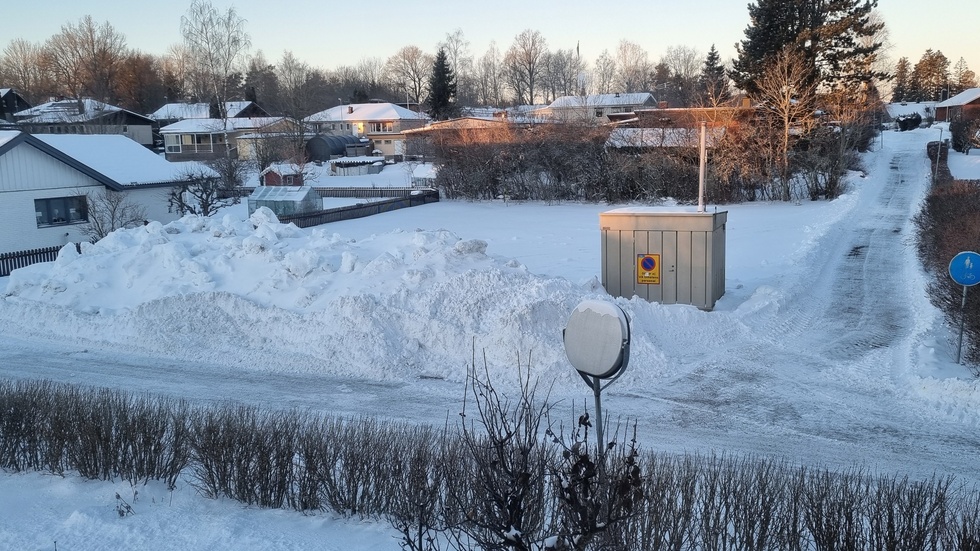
[453,488]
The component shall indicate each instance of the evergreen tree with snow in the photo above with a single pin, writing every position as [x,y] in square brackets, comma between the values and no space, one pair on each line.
[713,81]
[442,89]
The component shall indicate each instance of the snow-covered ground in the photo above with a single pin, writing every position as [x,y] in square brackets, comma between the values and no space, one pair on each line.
[824,349]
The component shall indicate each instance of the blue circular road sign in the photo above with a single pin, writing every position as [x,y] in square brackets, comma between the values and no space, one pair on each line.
[965,268]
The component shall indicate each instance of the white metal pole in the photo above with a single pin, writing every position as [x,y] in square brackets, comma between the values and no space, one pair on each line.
[704,164]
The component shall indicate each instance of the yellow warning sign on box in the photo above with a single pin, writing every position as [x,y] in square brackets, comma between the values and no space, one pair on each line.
[648,269]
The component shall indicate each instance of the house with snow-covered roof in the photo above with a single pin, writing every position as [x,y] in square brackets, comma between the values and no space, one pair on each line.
[382,123]
[962,106]
[85,116]
[595,108]
[207,139]
[11,102]
[173,112]
[48,181]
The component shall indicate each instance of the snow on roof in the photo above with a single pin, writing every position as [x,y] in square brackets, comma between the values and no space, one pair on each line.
[212,126]
[7,135]
[117,157]
[180,111]
[594,100]
[662,137]
[963,98]
[280,193]
[923,108]
[68,111]
[3,91]
[424,170]
[365,112]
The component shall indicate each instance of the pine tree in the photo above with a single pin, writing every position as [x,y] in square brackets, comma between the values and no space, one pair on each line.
[963,78]
[900,92]
[713,83]
[835,37]
[442,89]
[930,77]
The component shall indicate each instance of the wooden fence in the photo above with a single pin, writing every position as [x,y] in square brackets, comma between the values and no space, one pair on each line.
[360,211]
[19,259]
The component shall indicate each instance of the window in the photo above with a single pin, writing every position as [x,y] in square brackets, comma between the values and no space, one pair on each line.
[598,112]
[61,210]
[381,127]
[172,141]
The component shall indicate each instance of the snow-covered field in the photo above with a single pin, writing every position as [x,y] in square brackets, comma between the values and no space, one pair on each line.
[824,349]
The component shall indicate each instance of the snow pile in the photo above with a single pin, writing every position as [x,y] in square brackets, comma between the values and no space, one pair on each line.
[401,304]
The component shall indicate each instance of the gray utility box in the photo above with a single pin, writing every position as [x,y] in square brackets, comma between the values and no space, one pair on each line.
[665,257]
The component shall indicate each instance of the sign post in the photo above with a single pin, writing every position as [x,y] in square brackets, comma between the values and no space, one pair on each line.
[597,344]
[965,270]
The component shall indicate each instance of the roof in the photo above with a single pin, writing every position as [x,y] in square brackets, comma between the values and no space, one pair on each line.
[604,100]
[180,111]
[115,161]
[365,112]
[963,98]
[424,170]
[71,111]
[662,137]
[281,193]
[461,123]
[923,108]
[213,126]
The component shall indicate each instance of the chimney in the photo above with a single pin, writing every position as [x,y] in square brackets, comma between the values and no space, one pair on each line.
[350,109]
[661,105]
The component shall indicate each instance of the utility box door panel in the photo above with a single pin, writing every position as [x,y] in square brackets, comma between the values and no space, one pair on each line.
[670,258]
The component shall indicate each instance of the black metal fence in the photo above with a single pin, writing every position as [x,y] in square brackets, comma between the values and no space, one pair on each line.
[19,259]
[360,211]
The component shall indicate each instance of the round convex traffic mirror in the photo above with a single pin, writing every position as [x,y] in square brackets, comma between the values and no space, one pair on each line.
[597,339]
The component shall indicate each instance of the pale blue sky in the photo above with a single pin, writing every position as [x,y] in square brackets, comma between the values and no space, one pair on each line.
[328,34]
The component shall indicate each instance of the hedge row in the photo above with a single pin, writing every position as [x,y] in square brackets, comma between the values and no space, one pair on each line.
[435,485]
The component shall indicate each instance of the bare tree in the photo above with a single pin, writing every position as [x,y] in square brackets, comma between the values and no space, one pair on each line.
[524,65]
[632,67]
[409,70]
[209,186]
[219,44]
[371,75]
[87,58]
[109,211]
[140,86]
[562,70]
[787,97]
[25,69]
[489,77]
[457,50]
[685,68]
[604,73]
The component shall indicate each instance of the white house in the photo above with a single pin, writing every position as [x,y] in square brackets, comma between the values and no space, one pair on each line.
[46,182]
[595,108]
[85,116]
[382,123]
[206,139]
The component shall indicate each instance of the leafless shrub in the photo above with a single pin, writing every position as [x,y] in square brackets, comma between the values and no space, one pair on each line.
[906,515]
[948,224]
[421,472]
[597,487]
[834,507]
[503,504]
[109,211]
